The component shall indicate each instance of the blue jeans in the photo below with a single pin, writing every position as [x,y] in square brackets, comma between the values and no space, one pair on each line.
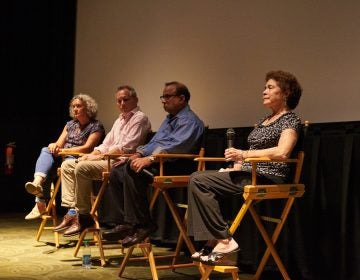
[46,167]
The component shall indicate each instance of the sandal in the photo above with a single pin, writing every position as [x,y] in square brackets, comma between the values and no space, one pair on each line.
[203,252]
[217,258]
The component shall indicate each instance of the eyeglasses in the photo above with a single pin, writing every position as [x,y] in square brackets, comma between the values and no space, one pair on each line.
[166,97]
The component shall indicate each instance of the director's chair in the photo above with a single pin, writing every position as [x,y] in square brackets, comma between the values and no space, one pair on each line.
[95,200]
[162,184]
[50,211]
[256,193]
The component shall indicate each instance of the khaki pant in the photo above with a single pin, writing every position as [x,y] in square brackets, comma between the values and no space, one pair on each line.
[77,182]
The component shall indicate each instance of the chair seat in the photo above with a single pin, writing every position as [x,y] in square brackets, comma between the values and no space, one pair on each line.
[273,191]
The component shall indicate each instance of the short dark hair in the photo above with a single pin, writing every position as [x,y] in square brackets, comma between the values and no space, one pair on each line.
[130,89]
[289,84]
[181,89]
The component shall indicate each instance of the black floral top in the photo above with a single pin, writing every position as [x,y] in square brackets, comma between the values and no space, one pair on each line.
[77,136]
[267,136]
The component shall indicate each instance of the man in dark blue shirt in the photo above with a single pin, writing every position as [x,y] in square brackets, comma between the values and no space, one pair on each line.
[126,198]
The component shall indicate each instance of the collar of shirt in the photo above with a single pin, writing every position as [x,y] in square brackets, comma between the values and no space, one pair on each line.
[127,116]
[183,111]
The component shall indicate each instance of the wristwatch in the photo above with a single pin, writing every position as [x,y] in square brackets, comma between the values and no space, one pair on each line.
[151,158]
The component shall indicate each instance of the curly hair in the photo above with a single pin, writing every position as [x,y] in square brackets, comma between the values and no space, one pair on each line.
[90,104]
[289,84]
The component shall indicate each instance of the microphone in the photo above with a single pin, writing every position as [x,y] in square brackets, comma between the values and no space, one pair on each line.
[144,171]
[230,135]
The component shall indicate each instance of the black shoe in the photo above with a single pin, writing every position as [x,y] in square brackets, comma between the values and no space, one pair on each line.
[141,233]
[118,232]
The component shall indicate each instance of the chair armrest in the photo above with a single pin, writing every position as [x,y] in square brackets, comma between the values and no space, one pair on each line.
[67,153]
[116,155]
[109,157]
[166,156]
[204,159]
[266,159]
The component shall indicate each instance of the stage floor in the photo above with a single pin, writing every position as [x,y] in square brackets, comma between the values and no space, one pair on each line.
[21,257]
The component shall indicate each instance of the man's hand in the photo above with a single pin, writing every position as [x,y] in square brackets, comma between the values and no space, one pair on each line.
[139,164]
[90,157]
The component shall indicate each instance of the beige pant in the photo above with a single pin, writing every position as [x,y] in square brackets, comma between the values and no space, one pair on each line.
[77,182]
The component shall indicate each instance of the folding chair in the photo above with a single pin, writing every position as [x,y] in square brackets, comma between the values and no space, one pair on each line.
[161,185]
[50,212]
[95,200]
[256,193]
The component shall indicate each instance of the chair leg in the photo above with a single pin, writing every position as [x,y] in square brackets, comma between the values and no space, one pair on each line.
[125,260]
[50,213]
[178,222]
[148,254]
[41,228]
[79,242]
[101,249]
[152,263]
[179,244]
[270,242]
[206,273]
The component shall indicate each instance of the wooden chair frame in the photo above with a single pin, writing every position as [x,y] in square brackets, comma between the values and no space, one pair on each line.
[50,212]
[161,185]
[95,200]
[255,193]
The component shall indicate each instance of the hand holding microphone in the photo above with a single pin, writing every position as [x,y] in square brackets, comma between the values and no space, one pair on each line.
[139,165]
[230,135]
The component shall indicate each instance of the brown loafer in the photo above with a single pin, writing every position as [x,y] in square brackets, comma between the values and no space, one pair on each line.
[79,225]
[66,222]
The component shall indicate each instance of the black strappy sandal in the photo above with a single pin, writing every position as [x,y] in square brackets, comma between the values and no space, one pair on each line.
[216,258]
[206,250]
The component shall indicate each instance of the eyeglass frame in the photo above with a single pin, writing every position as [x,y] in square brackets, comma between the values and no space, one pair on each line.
[166,97]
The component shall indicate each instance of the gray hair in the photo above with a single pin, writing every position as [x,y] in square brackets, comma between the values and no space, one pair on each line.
[90,104]
[130,89]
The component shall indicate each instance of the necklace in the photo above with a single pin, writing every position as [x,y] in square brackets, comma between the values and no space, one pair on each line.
[274,117]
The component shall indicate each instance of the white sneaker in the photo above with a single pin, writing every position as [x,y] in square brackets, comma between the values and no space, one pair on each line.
[37,211]
[33,189]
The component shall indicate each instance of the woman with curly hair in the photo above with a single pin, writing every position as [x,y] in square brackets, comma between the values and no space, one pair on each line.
[80,135]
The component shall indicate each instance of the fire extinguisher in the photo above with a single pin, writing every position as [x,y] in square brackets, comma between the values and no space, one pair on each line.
[9,158]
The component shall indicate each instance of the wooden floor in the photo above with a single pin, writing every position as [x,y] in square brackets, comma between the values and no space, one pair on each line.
[21,257]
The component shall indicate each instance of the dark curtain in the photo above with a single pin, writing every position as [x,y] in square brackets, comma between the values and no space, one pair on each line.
[37,66]
[330,209]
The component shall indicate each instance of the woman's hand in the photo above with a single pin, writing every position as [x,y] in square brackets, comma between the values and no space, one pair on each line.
[232,154]
[53,148]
